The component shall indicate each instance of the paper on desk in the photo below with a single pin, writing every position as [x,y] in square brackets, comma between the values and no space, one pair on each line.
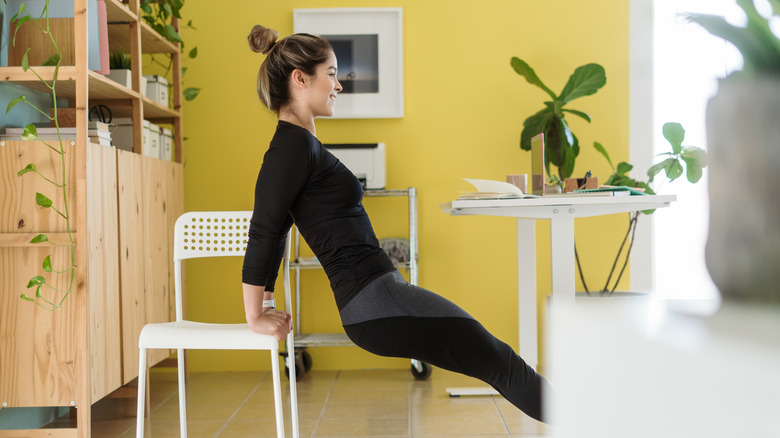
[493,189]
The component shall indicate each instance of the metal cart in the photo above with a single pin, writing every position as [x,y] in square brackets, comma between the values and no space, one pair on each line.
[303,361]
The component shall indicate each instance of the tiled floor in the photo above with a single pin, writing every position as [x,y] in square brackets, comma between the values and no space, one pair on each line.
[365,403]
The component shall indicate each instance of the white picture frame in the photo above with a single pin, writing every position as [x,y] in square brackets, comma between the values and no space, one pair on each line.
[369,48]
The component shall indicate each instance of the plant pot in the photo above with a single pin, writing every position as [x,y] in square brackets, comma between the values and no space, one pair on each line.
[743,137]
[124,77]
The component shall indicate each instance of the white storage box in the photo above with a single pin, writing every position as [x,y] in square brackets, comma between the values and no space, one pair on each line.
[122,133]
[157,89]
[166,144]
[151,147]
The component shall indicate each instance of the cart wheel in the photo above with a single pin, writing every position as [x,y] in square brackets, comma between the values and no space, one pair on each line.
[307,360]
[423,372]
[300,370]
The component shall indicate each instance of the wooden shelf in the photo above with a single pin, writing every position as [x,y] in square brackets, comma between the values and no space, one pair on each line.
[155,112]
[151,41]
[100,87]
[116,12]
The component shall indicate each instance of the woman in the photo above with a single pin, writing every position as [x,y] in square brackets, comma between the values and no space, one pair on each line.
[301,182]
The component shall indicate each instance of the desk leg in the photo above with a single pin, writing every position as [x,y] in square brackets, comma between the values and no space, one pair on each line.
[526,297]
[562,255]
[526,292]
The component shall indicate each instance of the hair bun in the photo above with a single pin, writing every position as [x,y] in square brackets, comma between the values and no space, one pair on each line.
[262,39]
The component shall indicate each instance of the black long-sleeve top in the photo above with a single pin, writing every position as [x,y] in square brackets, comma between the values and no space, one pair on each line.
[302,182]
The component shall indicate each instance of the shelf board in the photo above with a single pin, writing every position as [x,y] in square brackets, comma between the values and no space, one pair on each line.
[155,112]
[116,12]
[100,87]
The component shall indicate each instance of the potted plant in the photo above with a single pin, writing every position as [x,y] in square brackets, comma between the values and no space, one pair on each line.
[743,244]
[690,160]
[119,62]
[561,145]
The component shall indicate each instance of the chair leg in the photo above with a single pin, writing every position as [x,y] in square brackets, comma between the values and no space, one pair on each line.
[182,393]
[293,386]
[277,393]
[139,425]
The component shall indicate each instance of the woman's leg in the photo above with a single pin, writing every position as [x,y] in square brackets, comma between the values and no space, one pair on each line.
[391,317]
[456,344]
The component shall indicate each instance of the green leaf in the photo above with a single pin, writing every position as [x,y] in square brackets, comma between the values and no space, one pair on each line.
[675,135]
[534,125]
[191,93]
[167,8]
[35,281]
[14,101]
[603,152]
[194,52]
[40,238]
[524,70]
[30,168]
[25,61]
[38,290]
[19,24]
[695,153]
[25,297]
[586,80]
[623,168]
[53,60]
[30,132]
[183,71]
[693,169]
[146,7]
[578,113]
[655,169]
[47,264]
[675,170]
[22,9]
[643,185]
[170,34]
[42,200]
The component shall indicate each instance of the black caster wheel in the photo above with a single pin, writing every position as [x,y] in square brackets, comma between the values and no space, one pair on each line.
[423,372]
[307,361]
[300,370]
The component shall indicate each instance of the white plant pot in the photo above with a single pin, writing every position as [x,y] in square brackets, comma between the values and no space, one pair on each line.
[743,138]
[125,78]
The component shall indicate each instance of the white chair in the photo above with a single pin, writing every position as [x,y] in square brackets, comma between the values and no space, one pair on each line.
[214,234]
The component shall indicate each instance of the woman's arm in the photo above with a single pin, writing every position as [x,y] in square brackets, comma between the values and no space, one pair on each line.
[266,321]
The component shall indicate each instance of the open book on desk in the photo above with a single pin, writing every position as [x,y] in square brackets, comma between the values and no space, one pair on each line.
[489,189]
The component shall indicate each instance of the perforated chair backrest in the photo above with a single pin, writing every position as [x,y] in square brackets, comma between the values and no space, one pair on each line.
[211,234]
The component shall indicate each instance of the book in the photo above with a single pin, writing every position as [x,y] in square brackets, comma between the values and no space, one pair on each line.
[489,189]
[611,191]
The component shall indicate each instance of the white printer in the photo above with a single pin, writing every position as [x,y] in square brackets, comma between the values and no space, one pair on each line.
[365,160]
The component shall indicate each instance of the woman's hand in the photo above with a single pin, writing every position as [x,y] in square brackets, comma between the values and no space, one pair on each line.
[272,322]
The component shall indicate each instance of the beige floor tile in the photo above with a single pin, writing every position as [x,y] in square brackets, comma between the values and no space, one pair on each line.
[452,408]
[206,412]
[462,425]
[393,409]
[362,427]
[365,396]
[166,428]
[266,411]
[263,429]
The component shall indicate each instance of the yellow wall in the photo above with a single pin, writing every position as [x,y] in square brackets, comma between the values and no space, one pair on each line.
[464,108]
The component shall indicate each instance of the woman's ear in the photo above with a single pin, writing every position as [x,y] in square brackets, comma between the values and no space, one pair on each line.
[298,79]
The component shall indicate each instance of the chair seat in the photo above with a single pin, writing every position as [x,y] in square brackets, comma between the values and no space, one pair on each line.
[204,336]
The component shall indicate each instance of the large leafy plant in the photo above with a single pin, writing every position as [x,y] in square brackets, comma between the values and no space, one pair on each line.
[561,145]
[690,160]
[759,46]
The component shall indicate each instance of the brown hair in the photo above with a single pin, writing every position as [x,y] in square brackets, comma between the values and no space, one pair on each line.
[299,51]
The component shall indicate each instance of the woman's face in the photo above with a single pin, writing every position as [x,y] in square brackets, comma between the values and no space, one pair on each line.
[324,88]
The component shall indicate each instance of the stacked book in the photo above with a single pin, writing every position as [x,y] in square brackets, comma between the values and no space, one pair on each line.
[98,133]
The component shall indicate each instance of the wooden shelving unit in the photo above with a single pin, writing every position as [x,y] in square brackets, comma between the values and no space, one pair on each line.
[123,206]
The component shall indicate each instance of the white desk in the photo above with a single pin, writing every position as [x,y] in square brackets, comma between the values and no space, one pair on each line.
[560,211]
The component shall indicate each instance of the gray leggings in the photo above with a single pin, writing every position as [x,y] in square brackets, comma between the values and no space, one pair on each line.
[391,317]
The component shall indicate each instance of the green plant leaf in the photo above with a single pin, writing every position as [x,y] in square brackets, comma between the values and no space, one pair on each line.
[675,170]
[25,297]
[47,264]
[693,169]
[191,93]
[695,153]
[675,135]
[603,152]
[15,101]
[36,281]
[656,168]
[560,147]
[22,9]
[25,61]
[146,7]
[30,168]
[523,69]
[643,185]
[42,200]
[30,132]
[623,168]
[578,113]
[534,125]
[53,60]
[19,24]
[40,238]
[167,8]
[170,34]
[586,80]
[194,52]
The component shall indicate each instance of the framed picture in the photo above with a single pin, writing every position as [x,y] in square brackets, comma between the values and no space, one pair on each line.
[368,43]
